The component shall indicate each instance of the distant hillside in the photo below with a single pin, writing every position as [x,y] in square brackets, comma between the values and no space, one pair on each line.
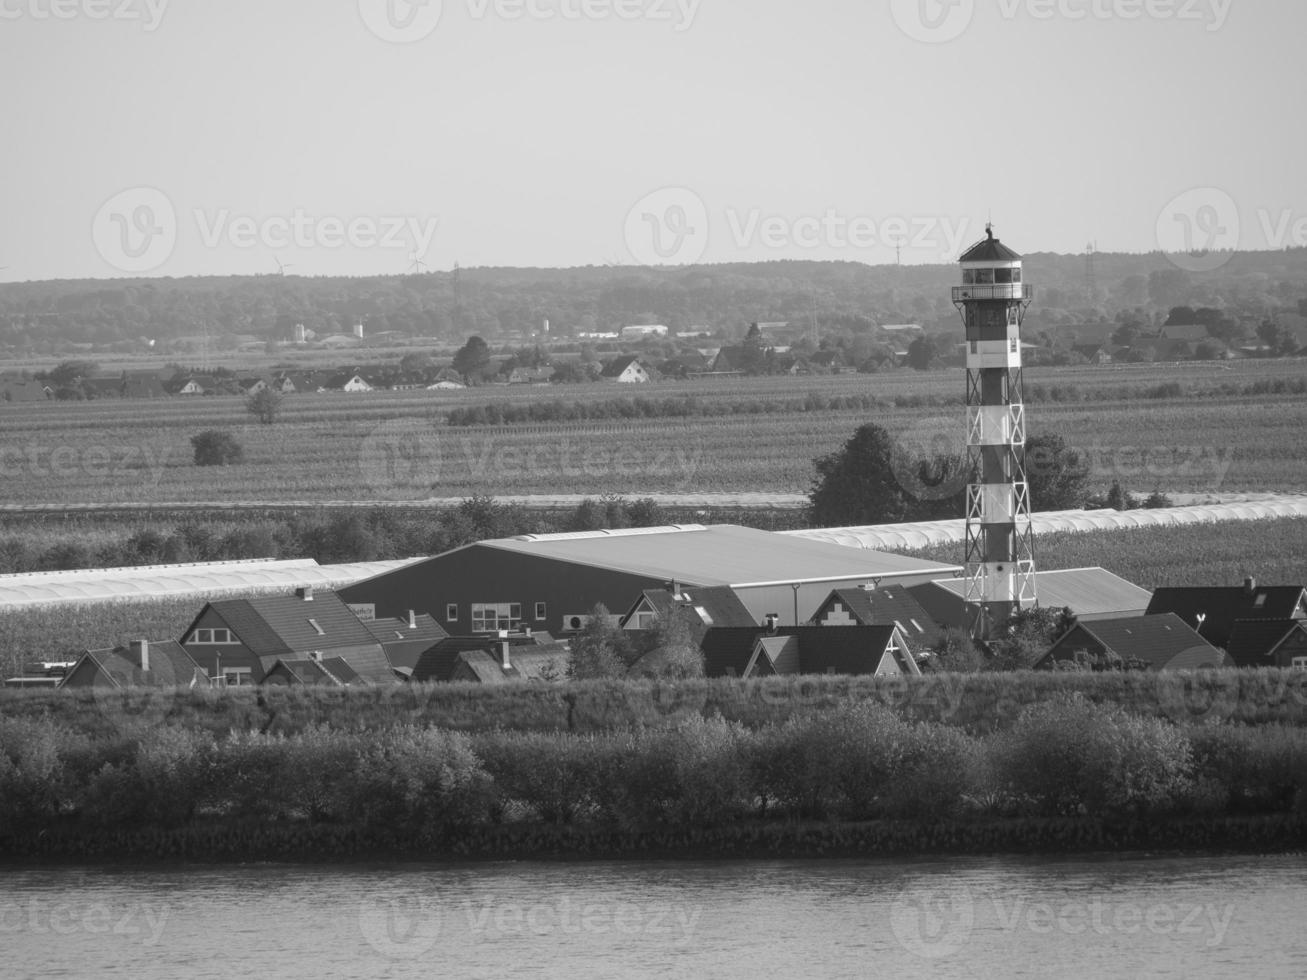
[45,317]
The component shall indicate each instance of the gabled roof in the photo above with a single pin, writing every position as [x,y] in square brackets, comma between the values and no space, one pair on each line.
[1192,332]
[709,606]
[1220,607]
[303,672]
[278,625]
[989,249]
[1253,642]
[403,645]
[530,663]
[617,367]
[1163,642]
[439,662]
[170,666]
[888,605]
[847,650]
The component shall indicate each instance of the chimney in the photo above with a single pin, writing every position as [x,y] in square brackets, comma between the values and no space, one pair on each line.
[772,620]
[412,620]
[304,592]
[141,653]
[316,656]
[504,659]
[1249,585]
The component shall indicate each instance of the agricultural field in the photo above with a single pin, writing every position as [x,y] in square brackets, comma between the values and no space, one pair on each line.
[390,446]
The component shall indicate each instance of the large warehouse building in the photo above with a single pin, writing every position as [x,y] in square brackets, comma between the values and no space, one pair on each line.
[551,582]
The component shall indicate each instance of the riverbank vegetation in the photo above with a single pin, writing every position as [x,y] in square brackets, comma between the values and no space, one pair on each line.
[1066,772]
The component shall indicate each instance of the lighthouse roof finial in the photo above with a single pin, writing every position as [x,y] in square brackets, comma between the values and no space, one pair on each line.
[989,230]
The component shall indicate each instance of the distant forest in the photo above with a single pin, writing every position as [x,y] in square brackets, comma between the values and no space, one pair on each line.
[44,318]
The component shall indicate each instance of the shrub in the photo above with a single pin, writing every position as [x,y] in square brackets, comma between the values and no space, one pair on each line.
[1070,756]
[555,775]
[214,447]
[1251,769]
[31,771]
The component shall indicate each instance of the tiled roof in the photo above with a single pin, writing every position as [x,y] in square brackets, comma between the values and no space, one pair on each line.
[170,666]
[439,661]
[888,605]
[403,645]
[847,650]
[1162,641]
[274,625]
[1252,642]
[1222,606]
[710,606]
[615,368]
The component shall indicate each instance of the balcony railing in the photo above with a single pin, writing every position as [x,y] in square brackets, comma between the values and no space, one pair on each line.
[1015,290]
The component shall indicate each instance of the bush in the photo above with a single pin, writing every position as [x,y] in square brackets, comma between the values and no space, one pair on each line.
[214,447]
[554,775]
[1251,769]
[1070,756]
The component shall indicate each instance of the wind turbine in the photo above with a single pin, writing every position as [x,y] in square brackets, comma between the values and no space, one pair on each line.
[417,266]
[281,269]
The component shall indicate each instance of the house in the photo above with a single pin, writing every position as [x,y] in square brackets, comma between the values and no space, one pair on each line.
[729,360]
[349,381]
[146,384]
[626,370]
[187,386]
[1093,353]
[1269,643]
[450,659]
[704,608]
[890,605]
[762,651]
[241,640]
[1162,642]
[404,640]
[530,376]
[252,386]
[141,664]
[1214,611]
[1090,593]
[553,581]
[1193,333]
[321,672]
[102,387]
[24,390]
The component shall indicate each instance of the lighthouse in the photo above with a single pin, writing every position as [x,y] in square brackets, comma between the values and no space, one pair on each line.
[1000,557]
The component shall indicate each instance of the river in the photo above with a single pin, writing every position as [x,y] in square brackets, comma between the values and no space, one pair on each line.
[1190,917]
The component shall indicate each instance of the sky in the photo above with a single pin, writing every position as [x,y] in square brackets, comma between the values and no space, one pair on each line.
[365,137]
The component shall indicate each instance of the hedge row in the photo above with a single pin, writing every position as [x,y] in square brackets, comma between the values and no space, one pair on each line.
[857,762]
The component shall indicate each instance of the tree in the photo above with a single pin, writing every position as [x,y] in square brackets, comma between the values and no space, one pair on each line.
[857,484]
[670,648]
[472,360]
[600,650]
[1057,474]
[957,654]
[214,447]
[70,373]
[923,352]
[1027,636]
[265,405]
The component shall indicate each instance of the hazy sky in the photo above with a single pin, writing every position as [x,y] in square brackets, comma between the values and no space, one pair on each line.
[178,137]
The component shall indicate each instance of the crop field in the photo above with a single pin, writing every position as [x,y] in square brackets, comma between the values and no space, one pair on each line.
[389,446]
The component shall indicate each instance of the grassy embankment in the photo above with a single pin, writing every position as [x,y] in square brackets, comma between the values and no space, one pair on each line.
[857,776]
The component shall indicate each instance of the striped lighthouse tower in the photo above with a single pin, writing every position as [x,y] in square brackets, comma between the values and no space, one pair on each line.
[1000,557]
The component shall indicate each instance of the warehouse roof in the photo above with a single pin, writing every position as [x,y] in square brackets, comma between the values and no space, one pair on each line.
[1089,592]
[722,554]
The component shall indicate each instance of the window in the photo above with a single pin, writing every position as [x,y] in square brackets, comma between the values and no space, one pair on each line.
[212,636]
[237,676]
[490,617]
[541,611]
[968,277]
[1260,601]
[1300,663]
[1003,276]
[320,631]
[644,620]
[984,277]
[451,612]
[1016,275]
